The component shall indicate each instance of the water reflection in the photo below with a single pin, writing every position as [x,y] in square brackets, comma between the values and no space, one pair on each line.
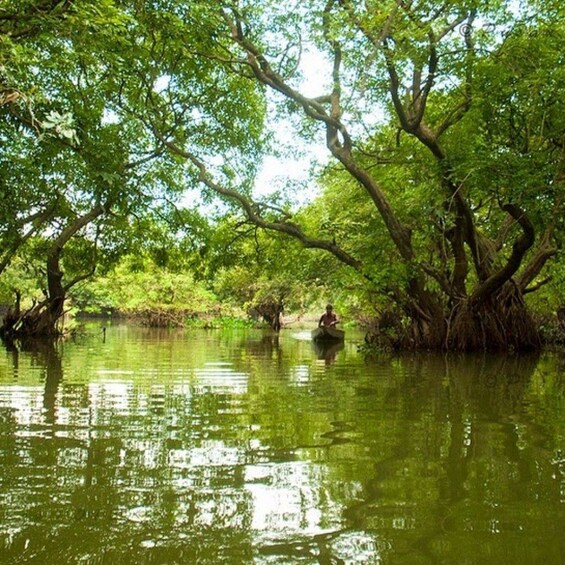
[327,350]
[165,447]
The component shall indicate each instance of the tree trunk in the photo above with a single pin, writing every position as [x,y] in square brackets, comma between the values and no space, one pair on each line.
[42,319]
[269,312]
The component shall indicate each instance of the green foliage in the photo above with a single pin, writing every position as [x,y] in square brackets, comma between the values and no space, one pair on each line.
[510,135]
[83,86]
[255,269]
[138,284]
[145,114]
[24,278]
[225,322]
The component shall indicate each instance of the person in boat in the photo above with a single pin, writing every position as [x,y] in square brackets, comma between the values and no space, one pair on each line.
[328,318]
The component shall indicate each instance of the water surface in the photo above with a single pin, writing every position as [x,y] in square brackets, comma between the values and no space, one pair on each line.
[157,446]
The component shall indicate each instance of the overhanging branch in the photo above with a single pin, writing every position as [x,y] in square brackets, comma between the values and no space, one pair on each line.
[250,208]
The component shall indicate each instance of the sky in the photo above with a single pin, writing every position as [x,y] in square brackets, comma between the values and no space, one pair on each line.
[278,173]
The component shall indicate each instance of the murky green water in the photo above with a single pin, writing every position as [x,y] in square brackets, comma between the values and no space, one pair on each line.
[209,447]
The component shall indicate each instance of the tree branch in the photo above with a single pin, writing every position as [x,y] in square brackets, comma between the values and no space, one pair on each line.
[537,286]
[519,249]
[37,220]
[334,128]
[250,209]
[544,252]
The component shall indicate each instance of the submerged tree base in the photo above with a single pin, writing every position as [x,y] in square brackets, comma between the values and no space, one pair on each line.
[501,323]
[39,321]
[497,325]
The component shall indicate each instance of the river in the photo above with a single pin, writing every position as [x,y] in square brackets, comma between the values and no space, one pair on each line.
[173,446]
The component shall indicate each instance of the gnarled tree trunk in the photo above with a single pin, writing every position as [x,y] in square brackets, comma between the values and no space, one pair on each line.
[43,318]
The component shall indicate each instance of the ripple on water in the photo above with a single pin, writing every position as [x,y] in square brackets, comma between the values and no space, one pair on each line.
[210,448]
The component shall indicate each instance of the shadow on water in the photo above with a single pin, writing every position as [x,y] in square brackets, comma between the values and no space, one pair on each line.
[267,345]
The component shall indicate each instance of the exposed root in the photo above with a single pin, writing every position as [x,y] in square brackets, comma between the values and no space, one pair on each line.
[502,323]
[41,320]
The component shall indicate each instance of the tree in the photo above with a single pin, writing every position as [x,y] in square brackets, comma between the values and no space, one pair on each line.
[453,234]
[74,173]
[440,73]
[265,273]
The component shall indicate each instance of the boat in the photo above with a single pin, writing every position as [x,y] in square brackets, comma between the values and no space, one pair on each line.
[327,333]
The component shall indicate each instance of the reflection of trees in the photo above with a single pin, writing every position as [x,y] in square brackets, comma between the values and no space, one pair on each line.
[44,354]
[51,360]
[241,456]
[267,346]
[148,463]
[448,469]
[485,390]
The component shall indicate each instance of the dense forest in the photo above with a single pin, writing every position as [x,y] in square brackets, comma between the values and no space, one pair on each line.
[429,138]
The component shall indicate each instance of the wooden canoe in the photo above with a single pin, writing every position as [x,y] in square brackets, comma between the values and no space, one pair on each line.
[327,334]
